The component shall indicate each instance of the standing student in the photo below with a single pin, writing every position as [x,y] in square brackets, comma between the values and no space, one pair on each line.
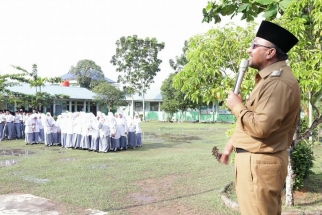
[35,128]
[48,124]
[104,139]
[17,124]
[138,130]
[131,133]
[9,128]
[41,127]
[116,133]
[2,124]
[121,125]
[29,137]
[265,123]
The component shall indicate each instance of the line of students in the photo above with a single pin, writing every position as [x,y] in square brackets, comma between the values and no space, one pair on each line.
[81,130]
[11,125]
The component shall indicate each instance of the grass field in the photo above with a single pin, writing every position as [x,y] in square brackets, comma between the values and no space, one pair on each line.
[173,173]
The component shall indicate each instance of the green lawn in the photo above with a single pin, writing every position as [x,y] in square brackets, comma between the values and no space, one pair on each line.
[173,173]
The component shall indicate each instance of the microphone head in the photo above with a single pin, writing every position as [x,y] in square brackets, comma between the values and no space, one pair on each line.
[243,63]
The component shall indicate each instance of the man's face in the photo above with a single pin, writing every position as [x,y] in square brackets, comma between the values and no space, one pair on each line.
[258,52]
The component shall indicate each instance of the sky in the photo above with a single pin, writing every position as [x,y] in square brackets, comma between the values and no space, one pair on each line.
[57,34]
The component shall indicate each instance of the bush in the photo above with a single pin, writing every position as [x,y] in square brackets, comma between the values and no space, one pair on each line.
[302,158]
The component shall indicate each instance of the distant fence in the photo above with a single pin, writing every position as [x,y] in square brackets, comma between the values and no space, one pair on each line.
[190,116]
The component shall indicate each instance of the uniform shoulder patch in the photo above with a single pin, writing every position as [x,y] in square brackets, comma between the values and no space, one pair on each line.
[276,73]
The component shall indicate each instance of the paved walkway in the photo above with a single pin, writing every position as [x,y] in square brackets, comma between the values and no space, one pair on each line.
[27,204]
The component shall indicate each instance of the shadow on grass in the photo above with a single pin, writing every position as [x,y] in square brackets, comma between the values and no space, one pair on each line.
[166,140]
[159,201]
[313,186]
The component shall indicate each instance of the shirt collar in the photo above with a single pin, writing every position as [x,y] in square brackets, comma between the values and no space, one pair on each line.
[268,70]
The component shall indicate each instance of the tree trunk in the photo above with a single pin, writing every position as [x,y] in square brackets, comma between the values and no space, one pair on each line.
[132,107]
[289,201]
[143,117]
[182,118]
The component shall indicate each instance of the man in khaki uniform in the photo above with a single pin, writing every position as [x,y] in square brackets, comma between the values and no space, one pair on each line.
[265,124]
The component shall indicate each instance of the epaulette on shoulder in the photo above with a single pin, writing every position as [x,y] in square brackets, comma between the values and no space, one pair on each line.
[276,73]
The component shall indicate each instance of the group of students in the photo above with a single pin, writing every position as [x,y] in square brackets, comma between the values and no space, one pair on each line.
[11,125]
[78,130]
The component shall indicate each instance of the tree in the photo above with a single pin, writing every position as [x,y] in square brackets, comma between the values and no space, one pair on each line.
[138,60]
[107,94]
[173,99]
[304,19]
[88,74]
[35,81]
[178,64]
[213,60]
[248,9]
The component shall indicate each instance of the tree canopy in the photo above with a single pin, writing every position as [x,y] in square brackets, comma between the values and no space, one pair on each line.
[107,94]
[174,99]
[87,73]
[213,60]
[138,60]
[33,79]
[20,99]
[249,9]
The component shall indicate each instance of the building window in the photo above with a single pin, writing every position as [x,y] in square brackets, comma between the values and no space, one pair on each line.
[154,106]
[138,106]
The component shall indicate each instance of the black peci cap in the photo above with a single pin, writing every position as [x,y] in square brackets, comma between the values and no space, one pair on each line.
[277,35]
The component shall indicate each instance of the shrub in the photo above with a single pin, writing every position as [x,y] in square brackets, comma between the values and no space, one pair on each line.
[302,158]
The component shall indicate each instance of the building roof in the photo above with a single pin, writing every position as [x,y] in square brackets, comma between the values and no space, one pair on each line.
[151,95]
[70,76]
[72,92]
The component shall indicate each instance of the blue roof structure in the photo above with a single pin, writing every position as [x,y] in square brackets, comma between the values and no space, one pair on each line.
[79,93]
[70,76]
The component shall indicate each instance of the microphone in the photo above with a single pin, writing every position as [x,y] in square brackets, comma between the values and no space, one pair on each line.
[242,68]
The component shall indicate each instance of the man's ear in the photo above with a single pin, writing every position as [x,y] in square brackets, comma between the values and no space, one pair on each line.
[271,53]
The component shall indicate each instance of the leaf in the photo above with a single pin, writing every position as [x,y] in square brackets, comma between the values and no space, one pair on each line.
[285,3]
[271,11]
[209,6]
[265,2]
[243,7]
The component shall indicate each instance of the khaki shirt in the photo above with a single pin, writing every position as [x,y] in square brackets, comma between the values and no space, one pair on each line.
[267,122]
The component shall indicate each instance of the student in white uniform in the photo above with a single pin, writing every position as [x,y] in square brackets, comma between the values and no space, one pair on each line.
[131,133]
[41,128]
[104,140]
[48,123]
[2,124]
[138,130]
[9,125]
